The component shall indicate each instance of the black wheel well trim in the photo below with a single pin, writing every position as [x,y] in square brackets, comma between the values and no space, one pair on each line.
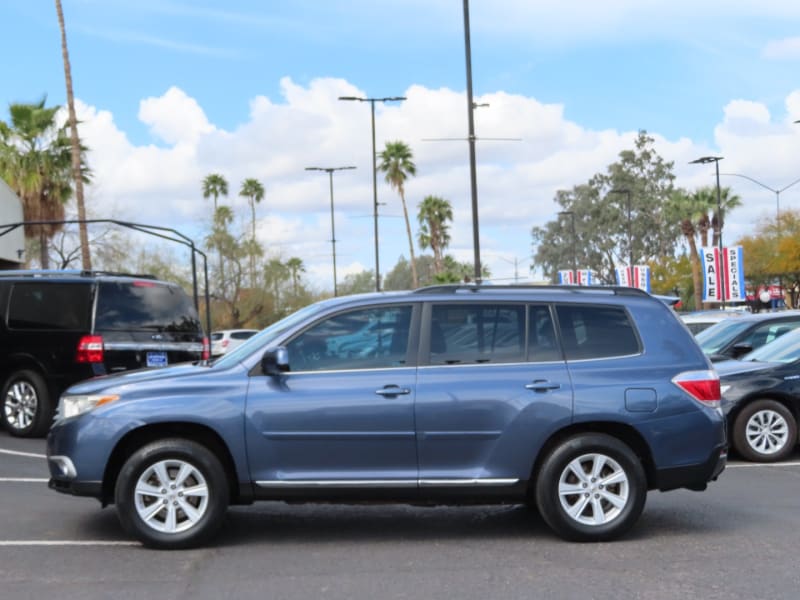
[23,362]
[620,431]
[195,432]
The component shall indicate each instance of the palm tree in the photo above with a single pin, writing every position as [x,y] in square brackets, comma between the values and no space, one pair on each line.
[434,213]
[295,266]
[35,160]
[692,212]
[254,192]
[397,164]
[214,186]
[75,145]
[728,201]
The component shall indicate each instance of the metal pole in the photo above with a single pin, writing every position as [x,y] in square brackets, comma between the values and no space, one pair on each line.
[630,235]
[471,139]
[375,199]
[333,236]
[719,240]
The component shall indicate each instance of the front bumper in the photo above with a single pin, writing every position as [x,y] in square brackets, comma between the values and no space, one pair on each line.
[693,477]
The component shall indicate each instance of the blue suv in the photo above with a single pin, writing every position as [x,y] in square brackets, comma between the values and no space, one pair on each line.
[574,400]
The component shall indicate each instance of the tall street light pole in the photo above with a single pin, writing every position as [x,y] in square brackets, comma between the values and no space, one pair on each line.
[571,213]
[704,160]
[372,102]
[777,192]
[329,171]
[627,192]
[473,176]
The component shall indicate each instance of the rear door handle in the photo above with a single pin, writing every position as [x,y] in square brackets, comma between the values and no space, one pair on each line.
[392,390]
[542,386]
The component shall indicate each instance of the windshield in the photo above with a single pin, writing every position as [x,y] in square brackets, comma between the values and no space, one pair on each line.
[717,336]
[785,349]
[266,336]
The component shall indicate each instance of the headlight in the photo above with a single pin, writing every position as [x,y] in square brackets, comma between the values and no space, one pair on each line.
[72,406]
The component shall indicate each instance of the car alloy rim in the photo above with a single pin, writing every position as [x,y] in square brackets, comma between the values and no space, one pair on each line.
[21,402]
[593,489]
[171,496]
[767,432]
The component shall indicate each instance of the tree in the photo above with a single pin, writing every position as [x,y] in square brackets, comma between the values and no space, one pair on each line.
[357,283]
[295,266]
[254,192]
[397,164]
[434,214]
[75,145]
[772,251]
[214,186]
[35,160]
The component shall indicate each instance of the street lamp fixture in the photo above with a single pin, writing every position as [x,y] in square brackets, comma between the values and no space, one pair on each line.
[329,171]
[372,102]
[775,191]
[571,214]
[627,192]
[704,160]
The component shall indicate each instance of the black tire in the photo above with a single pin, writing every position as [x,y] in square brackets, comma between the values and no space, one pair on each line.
[764,431]
[26,409]
[194,518]
[592,502]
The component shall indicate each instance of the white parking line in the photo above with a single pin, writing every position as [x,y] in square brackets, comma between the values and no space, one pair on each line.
[16,453]
[779,464]
[66,543]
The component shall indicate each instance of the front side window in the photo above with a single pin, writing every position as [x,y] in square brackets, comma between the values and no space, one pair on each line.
[50,306]
[477,333]
[371,338]
[590,331]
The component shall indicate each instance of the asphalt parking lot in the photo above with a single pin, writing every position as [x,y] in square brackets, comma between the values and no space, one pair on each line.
[738,539]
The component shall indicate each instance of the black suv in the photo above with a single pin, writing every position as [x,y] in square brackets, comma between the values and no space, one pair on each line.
[60,327]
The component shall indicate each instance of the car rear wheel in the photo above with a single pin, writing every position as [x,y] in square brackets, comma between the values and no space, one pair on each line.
[26,407]
[591,487]
[765,431]
[172,494]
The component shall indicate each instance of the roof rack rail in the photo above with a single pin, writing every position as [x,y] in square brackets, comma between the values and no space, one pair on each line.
[33,273]
[576,289]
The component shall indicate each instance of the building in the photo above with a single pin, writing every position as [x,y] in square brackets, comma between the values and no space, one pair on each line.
[12,244]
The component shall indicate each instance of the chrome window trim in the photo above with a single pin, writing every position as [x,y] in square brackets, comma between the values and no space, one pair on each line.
[179,346]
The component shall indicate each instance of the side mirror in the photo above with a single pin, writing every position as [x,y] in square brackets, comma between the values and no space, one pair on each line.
[275,361]
[741,349]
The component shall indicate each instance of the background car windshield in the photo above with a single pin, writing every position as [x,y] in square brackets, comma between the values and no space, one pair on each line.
[717,336]
[785,349]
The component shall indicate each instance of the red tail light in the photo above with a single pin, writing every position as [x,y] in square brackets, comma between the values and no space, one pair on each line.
[206,349]
[703,386]
[90,349]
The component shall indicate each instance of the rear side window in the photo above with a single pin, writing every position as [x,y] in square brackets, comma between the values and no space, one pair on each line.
[596,331]
[477,333]
[50,306]
[242,335]
[144,305]
[542,341]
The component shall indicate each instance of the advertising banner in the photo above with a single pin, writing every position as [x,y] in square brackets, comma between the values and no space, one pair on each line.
[585,277]
[623,276]
[734,274]
[641,277]
[566,277]
[731,266]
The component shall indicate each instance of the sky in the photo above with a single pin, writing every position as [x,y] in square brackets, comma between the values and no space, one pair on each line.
[169,91]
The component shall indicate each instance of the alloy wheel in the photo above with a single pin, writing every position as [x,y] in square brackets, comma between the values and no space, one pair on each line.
[171,496]
[593,489]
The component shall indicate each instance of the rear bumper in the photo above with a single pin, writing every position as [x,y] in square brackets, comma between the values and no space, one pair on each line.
[92,489]
[696,476]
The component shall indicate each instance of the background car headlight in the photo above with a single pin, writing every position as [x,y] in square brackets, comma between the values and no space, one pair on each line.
[72,406]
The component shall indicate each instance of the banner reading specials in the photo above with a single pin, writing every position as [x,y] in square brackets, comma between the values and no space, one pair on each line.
[732,263]
[566,277]
[624,276]
[585,277]
[640,278]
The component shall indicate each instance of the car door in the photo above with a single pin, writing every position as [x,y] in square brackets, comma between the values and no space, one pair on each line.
[343,415]
[491,385]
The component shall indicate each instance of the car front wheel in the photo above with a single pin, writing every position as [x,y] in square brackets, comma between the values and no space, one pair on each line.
[765,431]
[26,407]
[172,494]
[591,487]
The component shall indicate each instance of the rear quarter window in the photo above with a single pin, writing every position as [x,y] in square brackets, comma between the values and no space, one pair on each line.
[50,306]
[144,305]
[590,331]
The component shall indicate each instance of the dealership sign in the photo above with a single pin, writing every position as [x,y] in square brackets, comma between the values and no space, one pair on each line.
[639,278]
[730,265]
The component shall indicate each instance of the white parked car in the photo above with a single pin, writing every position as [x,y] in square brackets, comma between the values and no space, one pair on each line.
[228,339]
[702,319]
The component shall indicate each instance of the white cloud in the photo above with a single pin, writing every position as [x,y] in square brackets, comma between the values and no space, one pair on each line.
[786,49]
[308,126]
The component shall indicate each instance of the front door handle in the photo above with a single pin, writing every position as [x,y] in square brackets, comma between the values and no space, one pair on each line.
[542,385]
[392,390]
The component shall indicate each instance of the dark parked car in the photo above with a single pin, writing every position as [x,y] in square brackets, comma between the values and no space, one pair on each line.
[60,327]
[736,337]
[762,399]
[575,400]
